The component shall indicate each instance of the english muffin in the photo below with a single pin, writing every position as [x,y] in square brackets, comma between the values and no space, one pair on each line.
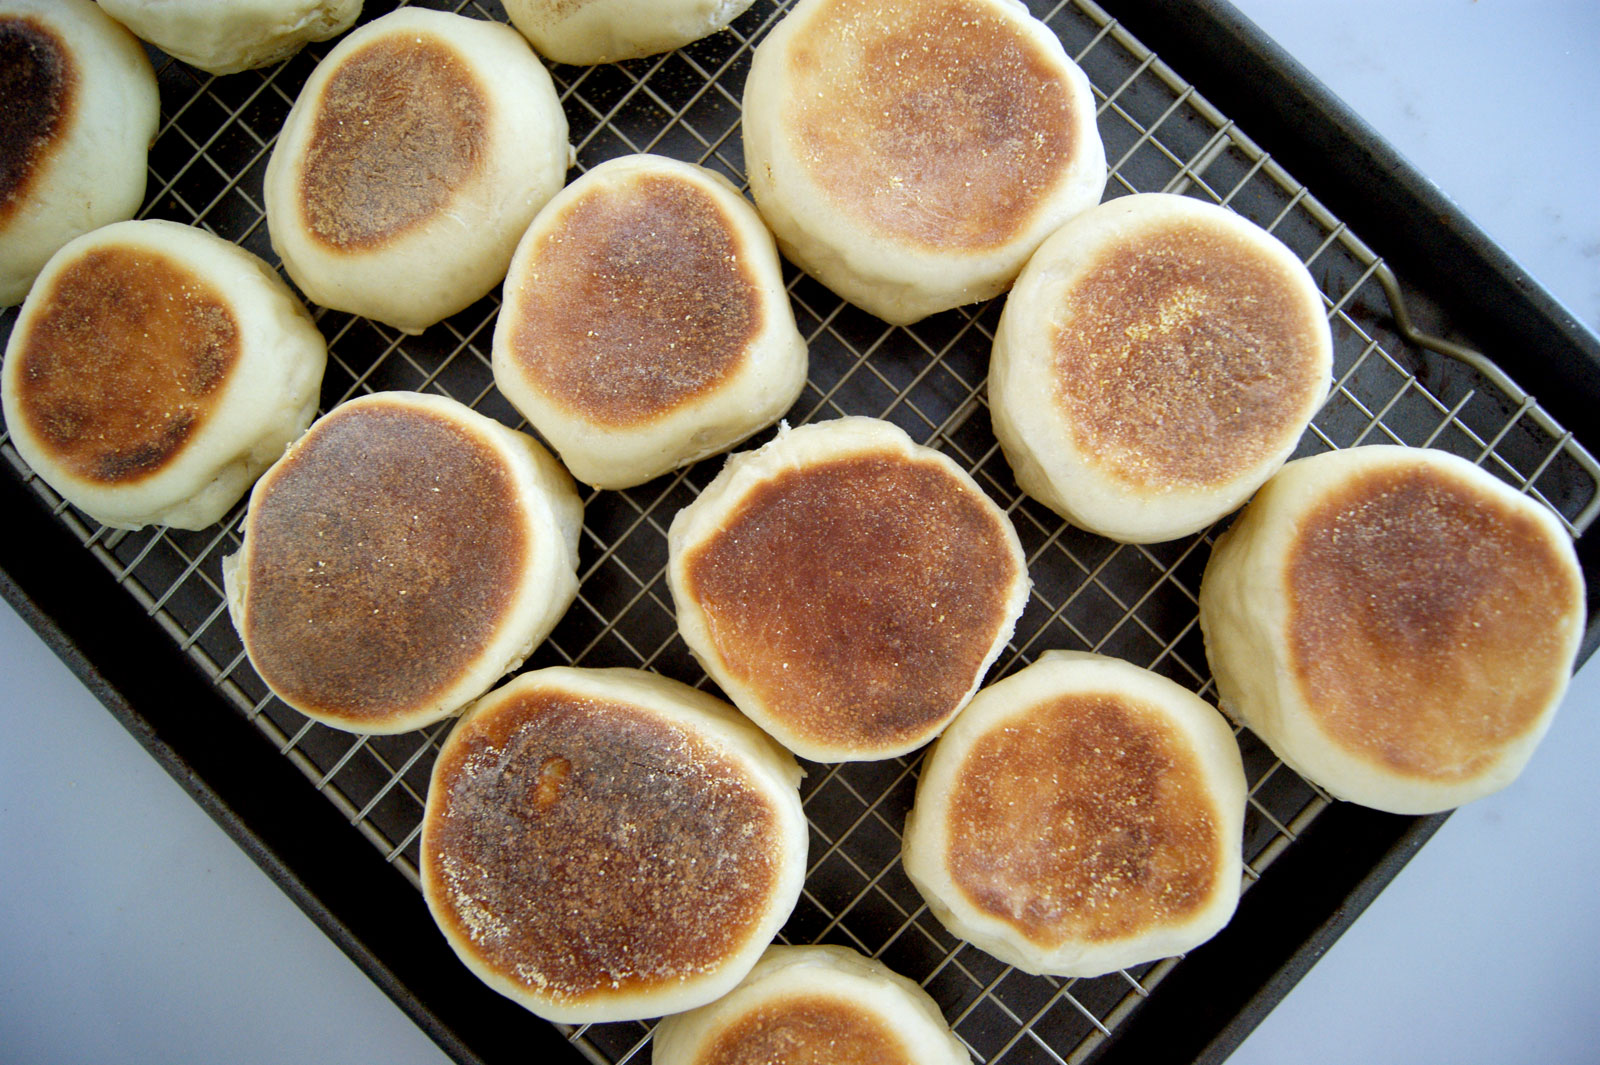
[1396,623]
[402,556]
[605,845]
[813,1006]
[912,155]
[846,587]
[1081,816]
[645,323]
[1157,361]
[225,38]
[609,31]
[155,370]
[417,153]
[78,110]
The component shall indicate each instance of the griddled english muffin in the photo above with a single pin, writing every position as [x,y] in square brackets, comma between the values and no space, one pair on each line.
[417,153]
[155,371]
[1396,623]
[911,155]
[402,556]
[605,845]
[819,1005]
[645,323]
[586,32]
[225,38]
[846,587]
[1081,816]
[78,110]
[1157,361]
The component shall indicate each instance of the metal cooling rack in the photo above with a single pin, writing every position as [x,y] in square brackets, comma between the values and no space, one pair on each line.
[1136,602]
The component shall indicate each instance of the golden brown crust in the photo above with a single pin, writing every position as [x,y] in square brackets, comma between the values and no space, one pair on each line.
[38,92]
[125,359]
[401,124]
[638,303]
[364,598]
[585,848]
[1425,621]
[1185,355]
[1083,818]
[806,1030]
[940,124]
[856,597]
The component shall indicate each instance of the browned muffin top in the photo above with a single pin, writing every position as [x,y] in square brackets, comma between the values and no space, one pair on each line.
[1427,621]
[814,1029]
[637,302]
[857,596]
[1185,355]
[126,357]
[1085,818]
[400,126]
[384,553]
[584,848]
[942,124]
[38,91]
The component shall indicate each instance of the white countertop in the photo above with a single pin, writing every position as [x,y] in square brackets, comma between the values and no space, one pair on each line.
[133,930]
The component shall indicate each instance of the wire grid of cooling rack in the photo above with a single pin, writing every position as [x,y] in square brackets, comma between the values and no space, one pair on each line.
[1136,602]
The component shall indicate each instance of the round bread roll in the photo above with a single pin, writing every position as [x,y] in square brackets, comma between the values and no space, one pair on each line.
[912,155]
[227,37]
[155,370]
[608,31]
[846,587]
[813,1006]
[1081,816]
[81,109]
[1397,625]
[1157,361]
[645,323]
[604,845]
[418,152]
[403,555]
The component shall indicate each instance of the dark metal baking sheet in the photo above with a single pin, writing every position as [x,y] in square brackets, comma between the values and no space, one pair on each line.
[138,616]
